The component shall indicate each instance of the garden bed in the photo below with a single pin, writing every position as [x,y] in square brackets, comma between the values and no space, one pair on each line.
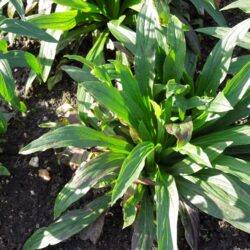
[26,200]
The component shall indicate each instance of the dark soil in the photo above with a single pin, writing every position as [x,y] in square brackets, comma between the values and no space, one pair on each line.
[26,200]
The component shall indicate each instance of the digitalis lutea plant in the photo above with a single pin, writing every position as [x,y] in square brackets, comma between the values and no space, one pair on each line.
[168,141]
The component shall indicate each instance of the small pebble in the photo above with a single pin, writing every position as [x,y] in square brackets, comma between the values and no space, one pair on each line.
[34,162]
[44,174]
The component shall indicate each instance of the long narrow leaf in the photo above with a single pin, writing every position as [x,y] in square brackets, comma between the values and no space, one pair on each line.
[167,208]
[145,48]
[131,169]
[144,230]
[244,5]
[218,62]
[77,136]
[85,178]
[220,33]
[76,220]
[80,5]
[23,28]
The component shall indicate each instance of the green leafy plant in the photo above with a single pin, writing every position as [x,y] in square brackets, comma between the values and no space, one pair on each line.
[73,20]
[166,143]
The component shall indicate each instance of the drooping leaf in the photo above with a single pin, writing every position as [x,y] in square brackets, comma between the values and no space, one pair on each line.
[131,169]
[218,62]
[85,178]
[76,220]
[167,209]
[77,136]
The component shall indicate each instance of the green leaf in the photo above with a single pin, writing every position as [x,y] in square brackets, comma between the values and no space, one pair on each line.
[7,86]
[131,94]
[239,135]
[124,35]
[4,171]
[241,110]
[18,4]
[233,166]
[175,58]
[220,33]
[109,97]
[238,63]
[145,48]
[24,28]
[237,87]
[56,21]
[144,229]
[210,7]
[131,169]
[219,202]
[218,62]
[78,74]
[3,46]
[196,153]
[244,5]
[19,58]
[3,124]
[85,178]
[220,104]
[76,220]
[188,166]
[167,209]
[77,136]
[113,8]
[98,48]
[129,207]
[133,4]
[80,5]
